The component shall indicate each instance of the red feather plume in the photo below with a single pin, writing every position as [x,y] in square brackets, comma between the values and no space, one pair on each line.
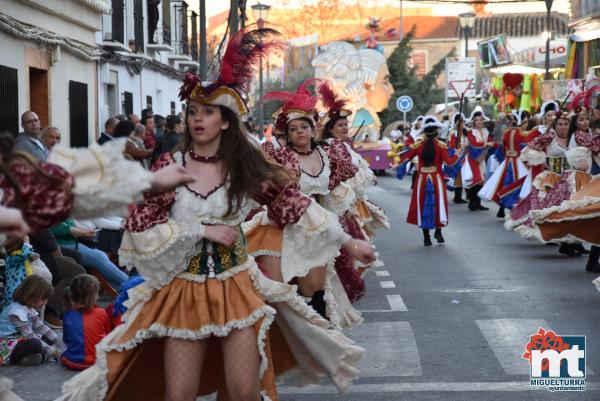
[329,99]
[189,83]
[576,100]
[301,99]
[243,53]
[589,94]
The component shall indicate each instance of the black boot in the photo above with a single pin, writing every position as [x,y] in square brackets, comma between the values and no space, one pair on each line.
[472,201]
[426,238]
[592,264]
[578,247]
[567,249]
[458,196]
[438,236]
[500,213]
[318,303]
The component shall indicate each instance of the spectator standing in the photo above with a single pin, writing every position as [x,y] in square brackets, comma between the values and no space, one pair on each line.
[109,127]
[172,136]
[150,126]
[51,136]
[28,141]
[85,324]
[134,118]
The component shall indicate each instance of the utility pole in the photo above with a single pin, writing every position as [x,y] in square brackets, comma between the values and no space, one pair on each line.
[234,22]
[548,36]
[203,47]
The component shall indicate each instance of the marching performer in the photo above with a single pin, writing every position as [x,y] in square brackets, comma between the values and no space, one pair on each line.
[580,134]
[504,186]
[323,171]
[335,130]
[546,152]
[456,142]
[429,203]
[473,168]
[200,321]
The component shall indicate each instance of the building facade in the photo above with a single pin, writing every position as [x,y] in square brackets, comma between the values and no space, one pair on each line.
[77,62]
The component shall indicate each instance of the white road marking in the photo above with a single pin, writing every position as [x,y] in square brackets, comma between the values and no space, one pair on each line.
[387,284]
[475,290]
[414,387]
[391,349]
[382,273]
[508,338]
[396,303]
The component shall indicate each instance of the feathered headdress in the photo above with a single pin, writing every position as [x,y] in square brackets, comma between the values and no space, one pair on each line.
[229,89]
[334,106]
[298,104]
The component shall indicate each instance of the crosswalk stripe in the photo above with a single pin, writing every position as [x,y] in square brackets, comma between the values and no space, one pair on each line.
[387,284]
[396,303]
[382,273]
[391,349]
[507,338]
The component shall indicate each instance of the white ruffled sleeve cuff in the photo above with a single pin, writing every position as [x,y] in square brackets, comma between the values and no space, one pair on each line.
[105,182]
[532,157]
[161,252]
[340,199]
[313,241]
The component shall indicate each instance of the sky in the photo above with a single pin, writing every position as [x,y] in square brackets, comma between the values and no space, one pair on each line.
[214,7]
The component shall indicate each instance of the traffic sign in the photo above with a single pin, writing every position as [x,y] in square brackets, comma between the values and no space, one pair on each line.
[404,104]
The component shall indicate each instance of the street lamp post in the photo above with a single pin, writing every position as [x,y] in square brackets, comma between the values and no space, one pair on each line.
[548,37]
[260,12]
[467,22]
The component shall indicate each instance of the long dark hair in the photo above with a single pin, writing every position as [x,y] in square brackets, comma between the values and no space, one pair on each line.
[428,154]
[248,167]
[328,127]
[573,127]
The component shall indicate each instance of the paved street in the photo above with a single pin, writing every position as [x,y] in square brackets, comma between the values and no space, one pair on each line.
[448,322]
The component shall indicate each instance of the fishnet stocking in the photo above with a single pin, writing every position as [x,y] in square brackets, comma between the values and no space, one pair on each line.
[242,362]
[183,368]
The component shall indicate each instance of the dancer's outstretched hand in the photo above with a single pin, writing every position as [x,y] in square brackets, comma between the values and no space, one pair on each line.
[12,222]
[221,233]
[171,177]
[361,250]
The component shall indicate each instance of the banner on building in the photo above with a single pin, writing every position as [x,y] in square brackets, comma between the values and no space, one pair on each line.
[298,56]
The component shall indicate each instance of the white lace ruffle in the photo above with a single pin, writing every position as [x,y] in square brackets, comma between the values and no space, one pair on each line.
[378,218]
[314,240]
[532,157]
[161,252]
[340,199]
[105,182]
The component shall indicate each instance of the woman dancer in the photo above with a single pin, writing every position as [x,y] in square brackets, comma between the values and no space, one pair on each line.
[546,152]
[335,130]
[429,202]
[473,169]
[200,318]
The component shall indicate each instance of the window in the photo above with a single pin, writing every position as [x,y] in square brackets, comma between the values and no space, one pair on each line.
[127,103]
[138,25]
[118,21]
[9,100]
[173,109]
[149,102]
[78,114]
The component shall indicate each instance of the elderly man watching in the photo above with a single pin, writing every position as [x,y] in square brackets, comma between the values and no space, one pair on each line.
[109,127]
[28,141]
[50,137]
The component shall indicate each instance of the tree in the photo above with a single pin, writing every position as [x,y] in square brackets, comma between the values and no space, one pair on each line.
[405,82]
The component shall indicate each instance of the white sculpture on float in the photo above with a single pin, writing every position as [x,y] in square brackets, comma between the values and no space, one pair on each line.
[361,77]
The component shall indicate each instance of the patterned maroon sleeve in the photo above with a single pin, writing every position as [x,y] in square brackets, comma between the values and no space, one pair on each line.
[589,141]
[285,205]
[45,197]
[541,142]
[155,207]
[340,159]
